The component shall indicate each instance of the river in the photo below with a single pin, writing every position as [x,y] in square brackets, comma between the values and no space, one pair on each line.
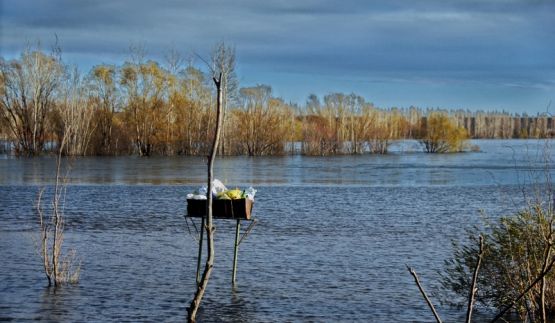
[333,238]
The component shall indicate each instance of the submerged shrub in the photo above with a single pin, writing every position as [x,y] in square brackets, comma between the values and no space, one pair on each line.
[517,251]
[440,134]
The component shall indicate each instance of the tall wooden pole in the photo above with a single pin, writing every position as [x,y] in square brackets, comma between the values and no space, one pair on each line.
[201,287]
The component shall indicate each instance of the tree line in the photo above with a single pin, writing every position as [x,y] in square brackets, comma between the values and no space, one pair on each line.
[145,107]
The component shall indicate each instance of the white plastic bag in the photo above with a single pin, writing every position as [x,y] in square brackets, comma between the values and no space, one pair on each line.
[200,193]
[217,187]
[250,193]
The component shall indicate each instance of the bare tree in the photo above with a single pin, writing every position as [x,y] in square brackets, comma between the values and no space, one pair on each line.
[103,94]
[59,268]
[194,117]
[27,90]
[223,62]
[75,113]
[201,287]
[259,110]
[174,60]
[144,85]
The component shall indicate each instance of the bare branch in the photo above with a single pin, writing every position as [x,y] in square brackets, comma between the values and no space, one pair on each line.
[473,288]
[417,281]
[537,280]
[43,239]
[212,70]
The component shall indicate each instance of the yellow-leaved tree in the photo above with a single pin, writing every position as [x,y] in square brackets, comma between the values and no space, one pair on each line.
[440,134]
[144,85]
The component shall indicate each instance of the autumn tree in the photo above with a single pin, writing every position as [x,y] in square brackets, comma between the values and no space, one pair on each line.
[348,124]
[441,135]
[174,62]
[102,84]
[194,118]
[27,92]
[263,124]
[386,127]
[143,85]
[337,113]
[318,130]
[73,115]
[322,130]
[144,108]
[356,124]
[379,134]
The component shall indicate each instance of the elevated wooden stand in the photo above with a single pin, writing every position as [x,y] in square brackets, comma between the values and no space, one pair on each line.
[239,210]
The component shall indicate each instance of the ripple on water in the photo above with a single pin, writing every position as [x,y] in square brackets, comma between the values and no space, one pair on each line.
[317,254]
[333,238]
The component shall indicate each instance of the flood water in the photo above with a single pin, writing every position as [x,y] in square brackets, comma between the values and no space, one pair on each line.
[333,238]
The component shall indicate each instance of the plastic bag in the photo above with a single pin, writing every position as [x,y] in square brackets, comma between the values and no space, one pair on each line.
[249,193]
[200,194]
[217,187]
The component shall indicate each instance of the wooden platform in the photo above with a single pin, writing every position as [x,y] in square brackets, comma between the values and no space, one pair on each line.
[239,209]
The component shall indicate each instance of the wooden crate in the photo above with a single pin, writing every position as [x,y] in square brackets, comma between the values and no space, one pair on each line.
[221,209]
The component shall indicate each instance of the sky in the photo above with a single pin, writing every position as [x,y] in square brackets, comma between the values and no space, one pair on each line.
[457,54]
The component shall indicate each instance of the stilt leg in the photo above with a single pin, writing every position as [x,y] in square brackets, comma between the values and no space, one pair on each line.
[200,250]
[236,250]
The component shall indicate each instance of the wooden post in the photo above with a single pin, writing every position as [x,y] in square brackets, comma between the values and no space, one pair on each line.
[199,259]
[235,251]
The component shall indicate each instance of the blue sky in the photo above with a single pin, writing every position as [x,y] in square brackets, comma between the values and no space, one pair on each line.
[487,54]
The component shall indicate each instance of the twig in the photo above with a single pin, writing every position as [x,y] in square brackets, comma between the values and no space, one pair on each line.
[473,288]
[212,70]
[506,309]
[413,273]
[44,239]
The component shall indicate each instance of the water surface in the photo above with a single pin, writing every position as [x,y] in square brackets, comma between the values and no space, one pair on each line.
[333,238]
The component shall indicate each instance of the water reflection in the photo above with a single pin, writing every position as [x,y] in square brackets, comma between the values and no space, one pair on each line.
[499,159]
[239,306]
[55,303]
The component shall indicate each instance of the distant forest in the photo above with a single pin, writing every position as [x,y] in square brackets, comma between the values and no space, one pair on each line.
[148,108]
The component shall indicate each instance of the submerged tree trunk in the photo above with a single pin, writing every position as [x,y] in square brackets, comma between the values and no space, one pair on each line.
[201,288]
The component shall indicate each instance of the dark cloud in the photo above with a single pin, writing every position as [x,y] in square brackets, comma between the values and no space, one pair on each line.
[506,42]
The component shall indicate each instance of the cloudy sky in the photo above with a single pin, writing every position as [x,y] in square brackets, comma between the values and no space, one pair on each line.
[483,54]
